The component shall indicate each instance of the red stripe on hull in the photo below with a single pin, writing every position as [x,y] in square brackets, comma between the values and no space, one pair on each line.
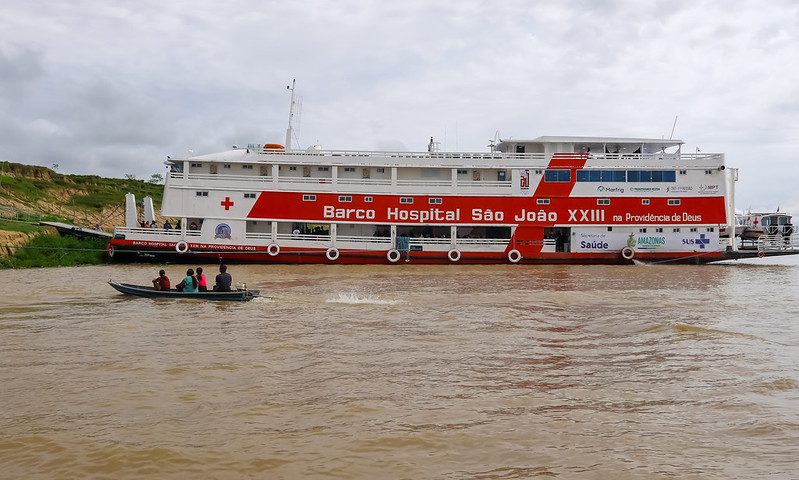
[289,255]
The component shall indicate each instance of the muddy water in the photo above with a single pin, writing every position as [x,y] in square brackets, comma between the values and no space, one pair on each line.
[405,372]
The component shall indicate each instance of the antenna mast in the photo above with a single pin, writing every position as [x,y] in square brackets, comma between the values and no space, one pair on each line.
[289,130]
[673,126]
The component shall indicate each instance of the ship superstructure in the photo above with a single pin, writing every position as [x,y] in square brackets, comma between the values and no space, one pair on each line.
[552,199]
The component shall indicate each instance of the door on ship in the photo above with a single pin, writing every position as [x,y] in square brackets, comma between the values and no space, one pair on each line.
[559,237]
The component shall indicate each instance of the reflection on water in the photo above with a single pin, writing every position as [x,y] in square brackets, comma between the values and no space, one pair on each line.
[405,372]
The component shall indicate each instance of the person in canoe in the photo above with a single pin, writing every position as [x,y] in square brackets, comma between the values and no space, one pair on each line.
[202,285]
[223,280]
[162,281]
[188,284]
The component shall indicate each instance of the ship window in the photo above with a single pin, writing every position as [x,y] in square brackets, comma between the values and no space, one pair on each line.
[659,230]
[202,194]
[435,200]
[644,201]
[674,201]
[345,198]
[227,165]
[542,201]
[380,170]
[249,195]
[309,198]
[557,176]
[711,229]
[708,172]
[641,230]
[323,169]
[197,165]
[368,199]
[694,229]
[683,172]
[246,167]
[675,230]
[520,148]
[539,172]
[292,168]
[462,172]
[603,201]
[610,229]
[669,176]
[349,169]
[406,199]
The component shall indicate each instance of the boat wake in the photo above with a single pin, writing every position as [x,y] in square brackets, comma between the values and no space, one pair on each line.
[352,298]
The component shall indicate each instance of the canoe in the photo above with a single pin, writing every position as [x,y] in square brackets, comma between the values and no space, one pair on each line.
[150,292]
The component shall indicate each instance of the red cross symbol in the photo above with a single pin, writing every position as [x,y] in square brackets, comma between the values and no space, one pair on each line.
[755,221]
[226,203]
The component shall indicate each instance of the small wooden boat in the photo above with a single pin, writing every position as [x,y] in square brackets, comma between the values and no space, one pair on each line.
[150,292]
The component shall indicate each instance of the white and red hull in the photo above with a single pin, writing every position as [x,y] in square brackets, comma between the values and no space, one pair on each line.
[268,206]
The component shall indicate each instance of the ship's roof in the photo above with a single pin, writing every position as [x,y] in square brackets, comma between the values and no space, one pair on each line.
[232,155]
[612,140]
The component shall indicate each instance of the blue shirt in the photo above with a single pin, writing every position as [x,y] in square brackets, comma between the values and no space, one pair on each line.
[190,284]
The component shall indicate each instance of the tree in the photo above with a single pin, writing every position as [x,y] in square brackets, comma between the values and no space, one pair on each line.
[130,176]
[156,178]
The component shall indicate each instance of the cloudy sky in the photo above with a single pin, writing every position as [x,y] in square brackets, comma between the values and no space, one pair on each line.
[110,88]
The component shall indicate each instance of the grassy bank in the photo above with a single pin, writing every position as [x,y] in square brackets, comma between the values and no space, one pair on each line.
[57,251]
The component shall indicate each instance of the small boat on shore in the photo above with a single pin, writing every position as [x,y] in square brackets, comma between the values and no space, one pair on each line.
[150,292]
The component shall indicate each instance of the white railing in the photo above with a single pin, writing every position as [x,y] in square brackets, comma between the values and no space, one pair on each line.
[363,239]
[304,180]
[424,183]
[429,241]
[155,231]
[485,183]
[482,241]
[776,242]
[303,236]
[364,181]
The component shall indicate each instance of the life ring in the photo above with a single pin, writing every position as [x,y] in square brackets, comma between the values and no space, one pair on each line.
[332,254]
[273,249]
[454,255]
[181,247]
[393,255]
[761,254]
[514,256]
[628,253]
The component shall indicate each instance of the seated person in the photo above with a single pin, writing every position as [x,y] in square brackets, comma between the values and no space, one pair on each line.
[188,284]
[162,282]
[202,286]
[223,280]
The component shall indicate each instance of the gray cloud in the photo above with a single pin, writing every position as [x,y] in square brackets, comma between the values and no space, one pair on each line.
[114,88]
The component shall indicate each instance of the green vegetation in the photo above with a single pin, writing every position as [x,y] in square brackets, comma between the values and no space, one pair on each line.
[56,251]
[15,226]
[30,183]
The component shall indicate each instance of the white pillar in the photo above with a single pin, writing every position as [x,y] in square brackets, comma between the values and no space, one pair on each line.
[131,214]
[274,232]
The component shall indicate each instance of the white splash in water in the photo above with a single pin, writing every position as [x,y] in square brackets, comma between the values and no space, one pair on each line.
[352,298]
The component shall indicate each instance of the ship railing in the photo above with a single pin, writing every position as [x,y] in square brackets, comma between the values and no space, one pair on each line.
[459,158]
[304,180]
[223,176]
[307,237]
[485,183]
[156,231]
[363,239]
[482,241]
[429,241]
[364,181]
[424,183]
[776,242]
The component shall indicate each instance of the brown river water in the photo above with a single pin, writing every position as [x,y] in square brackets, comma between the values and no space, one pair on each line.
[405,372]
